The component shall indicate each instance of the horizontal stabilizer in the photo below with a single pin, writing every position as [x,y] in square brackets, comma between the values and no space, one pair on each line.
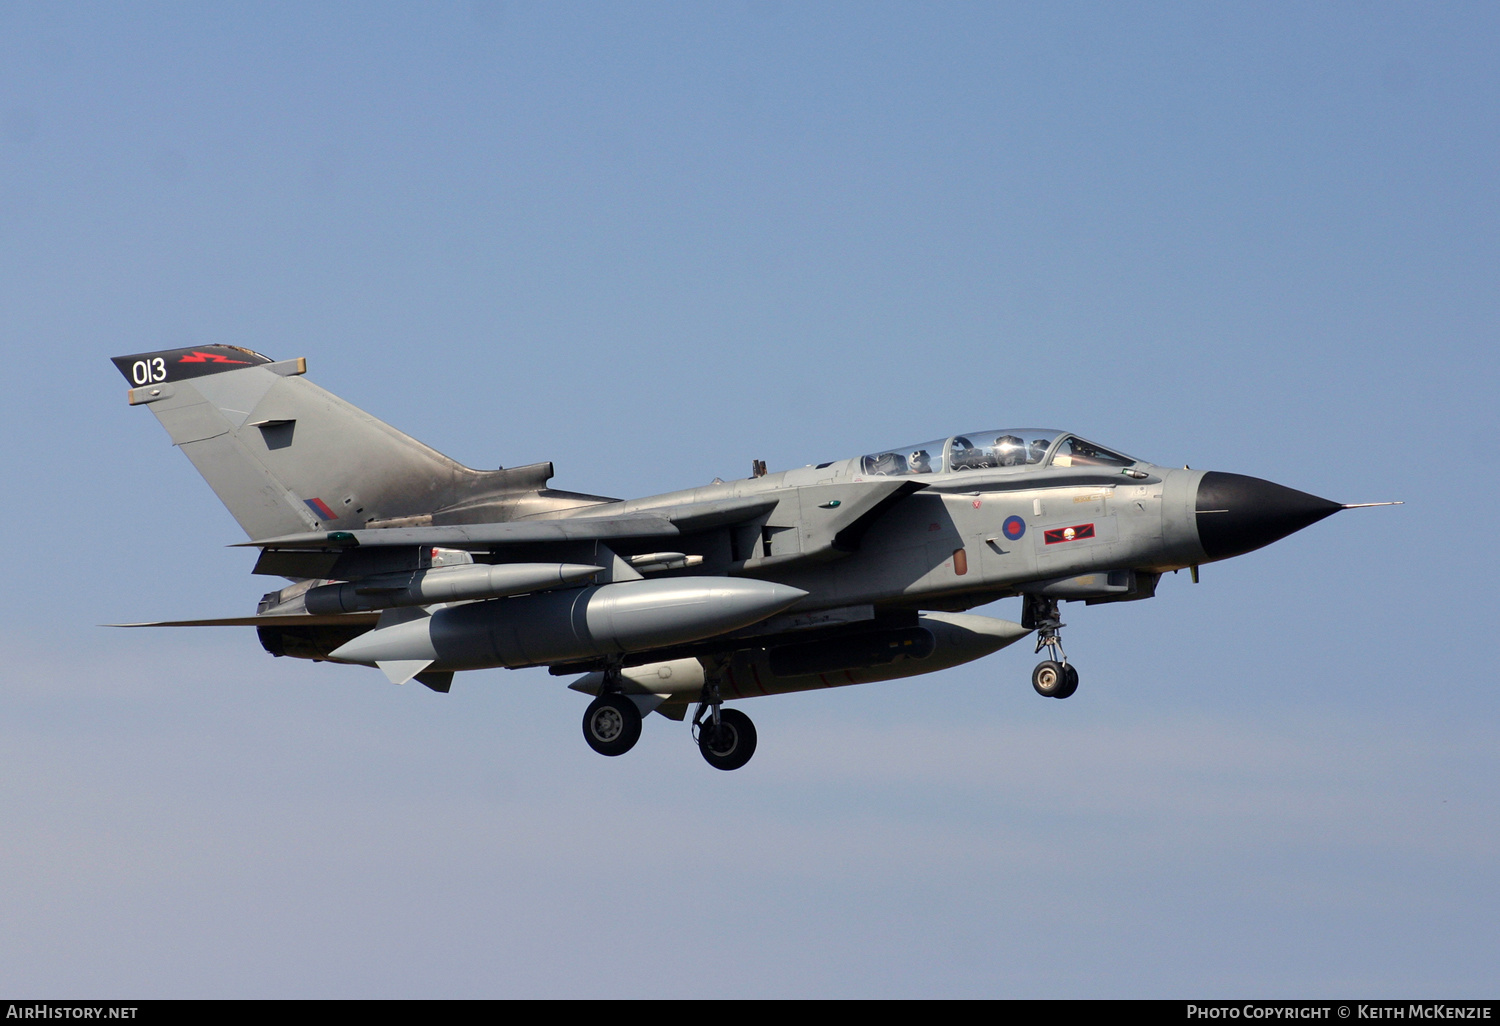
[289,620]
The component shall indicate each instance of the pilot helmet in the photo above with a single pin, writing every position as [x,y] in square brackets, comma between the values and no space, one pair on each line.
[1010,450]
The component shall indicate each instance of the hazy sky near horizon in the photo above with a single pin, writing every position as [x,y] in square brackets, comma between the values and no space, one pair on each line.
[652,242]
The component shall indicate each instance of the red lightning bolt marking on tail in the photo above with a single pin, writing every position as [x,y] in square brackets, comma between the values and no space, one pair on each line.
[196,357]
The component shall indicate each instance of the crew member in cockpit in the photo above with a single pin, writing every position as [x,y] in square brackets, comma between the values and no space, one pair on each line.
[919,462]
[1010,451]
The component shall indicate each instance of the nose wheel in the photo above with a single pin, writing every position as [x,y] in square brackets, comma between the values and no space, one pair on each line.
[1054,677]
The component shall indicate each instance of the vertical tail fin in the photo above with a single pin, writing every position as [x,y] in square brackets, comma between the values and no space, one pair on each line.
[285,456]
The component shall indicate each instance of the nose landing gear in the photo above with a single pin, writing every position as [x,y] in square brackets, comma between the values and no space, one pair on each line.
[1054,677]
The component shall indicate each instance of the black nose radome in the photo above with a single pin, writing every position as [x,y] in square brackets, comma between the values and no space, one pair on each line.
[1238,514]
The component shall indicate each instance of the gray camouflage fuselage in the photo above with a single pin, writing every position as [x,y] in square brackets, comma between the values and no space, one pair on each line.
[837,573]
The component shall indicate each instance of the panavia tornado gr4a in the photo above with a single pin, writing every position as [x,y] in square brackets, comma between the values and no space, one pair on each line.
[845,572]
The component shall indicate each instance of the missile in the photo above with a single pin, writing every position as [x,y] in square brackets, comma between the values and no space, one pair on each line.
[939,641]
[444,584]
[650,562]
[558,626]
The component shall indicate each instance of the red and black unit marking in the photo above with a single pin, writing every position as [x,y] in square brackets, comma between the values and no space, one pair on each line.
[1078,532]
[177,364]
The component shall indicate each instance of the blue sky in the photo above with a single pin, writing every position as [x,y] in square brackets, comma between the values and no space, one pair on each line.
[653,242]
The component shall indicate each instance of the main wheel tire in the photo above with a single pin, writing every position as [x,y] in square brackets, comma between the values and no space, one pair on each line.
[1049,679]
[612,725]
[1070,682]
[731,746]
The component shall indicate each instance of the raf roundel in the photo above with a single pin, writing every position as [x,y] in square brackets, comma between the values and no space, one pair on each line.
[1013,528]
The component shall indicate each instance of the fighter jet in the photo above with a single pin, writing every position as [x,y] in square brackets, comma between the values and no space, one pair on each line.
[836,573]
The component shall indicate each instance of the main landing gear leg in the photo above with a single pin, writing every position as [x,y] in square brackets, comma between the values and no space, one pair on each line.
[1054,677]
[612,722]
[726,737]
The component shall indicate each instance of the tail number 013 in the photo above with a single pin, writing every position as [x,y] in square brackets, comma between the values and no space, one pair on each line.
[143,372]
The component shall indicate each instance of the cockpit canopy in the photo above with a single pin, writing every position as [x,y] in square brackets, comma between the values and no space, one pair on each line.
[992,450]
